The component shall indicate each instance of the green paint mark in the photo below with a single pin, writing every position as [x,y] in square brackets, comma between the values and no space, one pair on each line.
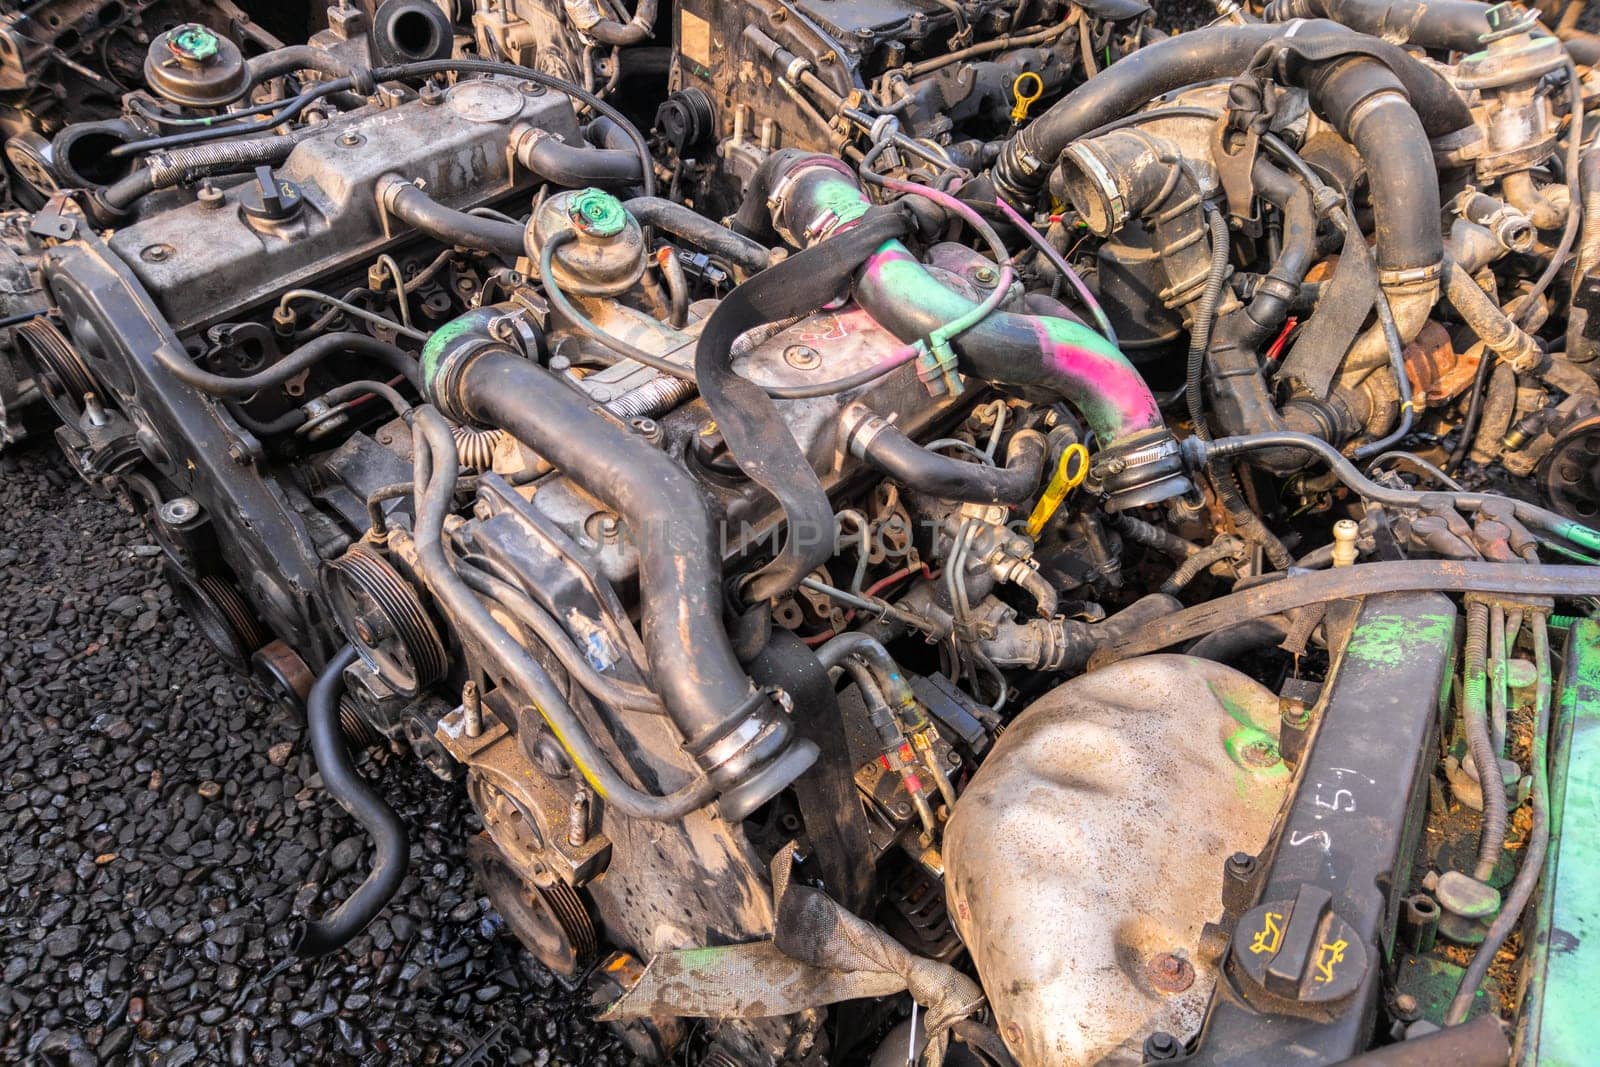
[193,42]
[441,339]
[597,213]
[1385,642]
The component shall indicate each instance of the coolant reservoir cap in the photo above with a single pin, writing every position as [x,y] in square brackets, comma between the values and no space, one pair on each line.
[596,213]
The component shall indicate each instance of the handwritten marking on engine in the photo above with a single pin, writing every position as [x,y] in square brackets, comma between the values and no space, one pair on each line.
[1303,837]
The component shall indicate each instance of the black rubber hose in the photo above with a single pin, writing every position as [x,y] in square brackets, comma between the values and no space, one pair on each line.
[1469,425]
[201,161]
[1205,315]
[705,234]
[391,846]
[636,30]
[1186,59]
[422,212]
[1479,1043]
[948,478]
[1367,102]
[641,147]
[1528,875]
[176,362]
[1299,589]
[707,692]
[607,690]
[1227,645]
[281,61]
[575,166]
[1580,348]
[1475,721]
[1152,536]
[1440,25]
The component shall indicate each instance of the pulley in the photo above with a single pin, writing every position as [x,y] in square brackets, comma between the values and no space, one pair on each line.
[550,921]
[382,616]
[64,379]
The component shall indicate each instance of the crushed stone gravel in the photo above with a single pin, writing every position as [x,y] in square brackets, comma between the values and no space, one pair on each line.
[159,819]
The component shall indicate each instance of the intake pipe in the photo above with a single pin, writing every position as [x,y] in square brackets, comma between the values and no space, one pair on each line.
[1186,59]
[735,733]
[1137,459]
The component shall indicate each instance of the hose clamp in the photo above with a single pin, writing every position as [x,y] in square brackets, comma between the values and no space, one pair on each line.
[1371,103]
[859,426]
[1403,276]
[1105,184]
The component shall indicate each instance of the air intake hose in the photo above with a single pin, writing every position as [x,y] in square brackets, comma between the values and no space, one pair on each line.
[1137,460]
[735,732]
[1188,58]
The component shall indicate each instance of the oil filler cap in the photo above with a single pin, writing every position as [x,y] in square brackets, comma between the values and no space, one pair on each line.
[1299,951]
[269,198]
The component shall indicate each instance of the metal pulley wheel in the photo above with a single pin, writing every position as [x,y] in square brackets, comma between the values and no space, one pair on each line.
[550,921]
[64,379]
[225,620]
[384,619]
[1570,474]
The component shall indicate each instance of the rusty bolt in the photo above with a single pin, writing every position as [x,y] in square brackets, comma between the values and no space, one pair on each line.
[350,138]
[158,253]
[1013,1035]
[1260,754]
[986,276]
[802,357]
[1169,973]
[210,196]
[1405,1004]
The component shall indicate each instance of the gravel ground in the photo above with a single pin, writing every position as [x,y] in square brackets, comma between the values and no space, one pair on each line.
[160,821]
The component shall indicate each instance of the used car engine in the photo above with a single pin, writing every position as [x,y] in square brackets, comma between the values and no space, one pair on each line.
[972,531]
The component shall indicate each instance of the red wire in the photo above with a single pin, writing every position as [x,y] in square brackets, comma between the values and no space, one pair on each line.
[1282,339]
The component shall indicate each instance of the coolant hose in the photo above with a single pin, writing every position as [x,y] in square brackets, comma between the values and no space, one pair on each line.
[575,166]
[1438,25]
[701,232]
[422,212]
[1475,721]
[1054,355]
[391,846]
[736,733]
[891,451]
[609,31]
[281,61]
[1186,59]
